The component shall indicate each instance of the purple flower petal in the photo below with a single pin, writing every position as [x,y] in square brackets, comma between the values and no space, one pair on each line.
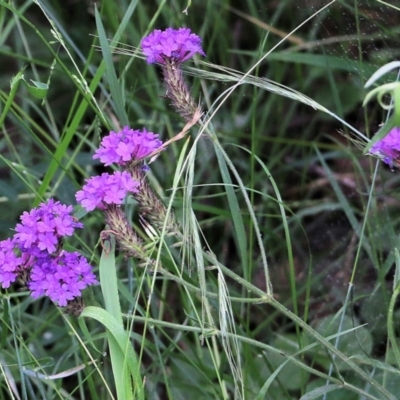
[61,278]
[101,191]
[178,44]
[388,148]
[42,227]
[9,263]
[127,145]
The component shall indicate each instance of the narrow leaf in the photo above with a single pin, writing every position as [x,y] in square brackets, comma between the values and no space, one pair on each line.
[382,71]
[115,86]
[38,89]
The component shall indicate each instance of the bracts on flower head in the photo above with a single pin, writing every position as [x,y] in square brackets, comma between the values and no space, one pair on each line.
[127,240]
[178,91]
[151,207]
[170,48]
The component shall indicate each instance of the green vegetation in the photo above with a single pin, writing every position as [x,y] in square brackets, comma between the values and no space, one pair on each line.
[283,281]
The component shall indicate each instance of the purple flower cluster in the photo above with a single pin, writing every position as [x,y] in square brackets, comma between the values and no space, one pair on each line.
[41,228]
[106,189]
[61,278]
[9,263]
[122,148]
[35,253]
[126,146]
[177,44]
[388,148]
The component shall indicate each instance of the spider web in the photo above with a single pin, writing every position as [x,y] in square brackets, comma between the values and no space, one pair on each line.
[361,35]
[354,39]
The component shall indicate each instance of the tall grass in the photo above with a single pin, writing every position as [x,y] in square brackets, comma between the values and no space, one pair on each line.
[283,281]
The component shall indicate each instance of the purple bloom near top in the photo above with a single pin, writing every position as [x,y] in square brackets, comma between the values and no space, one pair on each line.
[126,146]
[389,147]
[177,44]
[61,278]
[42,227]
[106,189]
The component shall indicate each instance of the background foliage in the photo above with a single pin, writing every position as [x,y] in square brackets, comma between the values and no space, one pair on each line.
[327,217]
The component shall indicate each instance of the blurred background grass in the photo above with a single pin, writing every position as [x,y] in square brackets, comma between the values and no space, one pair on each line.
[324,180]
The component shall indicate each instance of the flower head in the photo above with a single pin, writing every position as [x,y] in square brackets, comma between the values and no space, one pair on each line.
[389,147]
[61,278]
[126,146]
[42,227]
[9,263]
[34,255]
[106,189]
[178,44]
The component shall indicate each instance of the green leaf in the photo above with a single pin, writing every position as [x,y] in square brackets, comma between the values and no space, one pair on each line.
[351,343]
[14,87]
[397,271]
[382,71]
[115,86]
[122,352]
[108,280]
[322,61]
[318,392]
[38,89]
[5,324]
[240,232]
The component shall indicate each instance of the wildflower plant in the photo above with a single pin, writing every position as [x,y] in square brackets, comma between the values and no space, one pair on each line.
[164,303]
[127,149]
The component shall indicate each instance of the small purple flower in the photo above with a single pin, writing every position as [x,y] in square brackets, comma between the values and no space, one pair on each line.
[61,278]
[9,263]
[388,148]
[126,146]
[42,227]
[101,191]
[178,44]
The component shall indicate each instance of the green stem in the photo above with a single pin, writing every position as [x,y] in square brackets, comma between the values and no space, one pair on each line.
[177,279]
[14,87]
[391,334]
[251,212]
